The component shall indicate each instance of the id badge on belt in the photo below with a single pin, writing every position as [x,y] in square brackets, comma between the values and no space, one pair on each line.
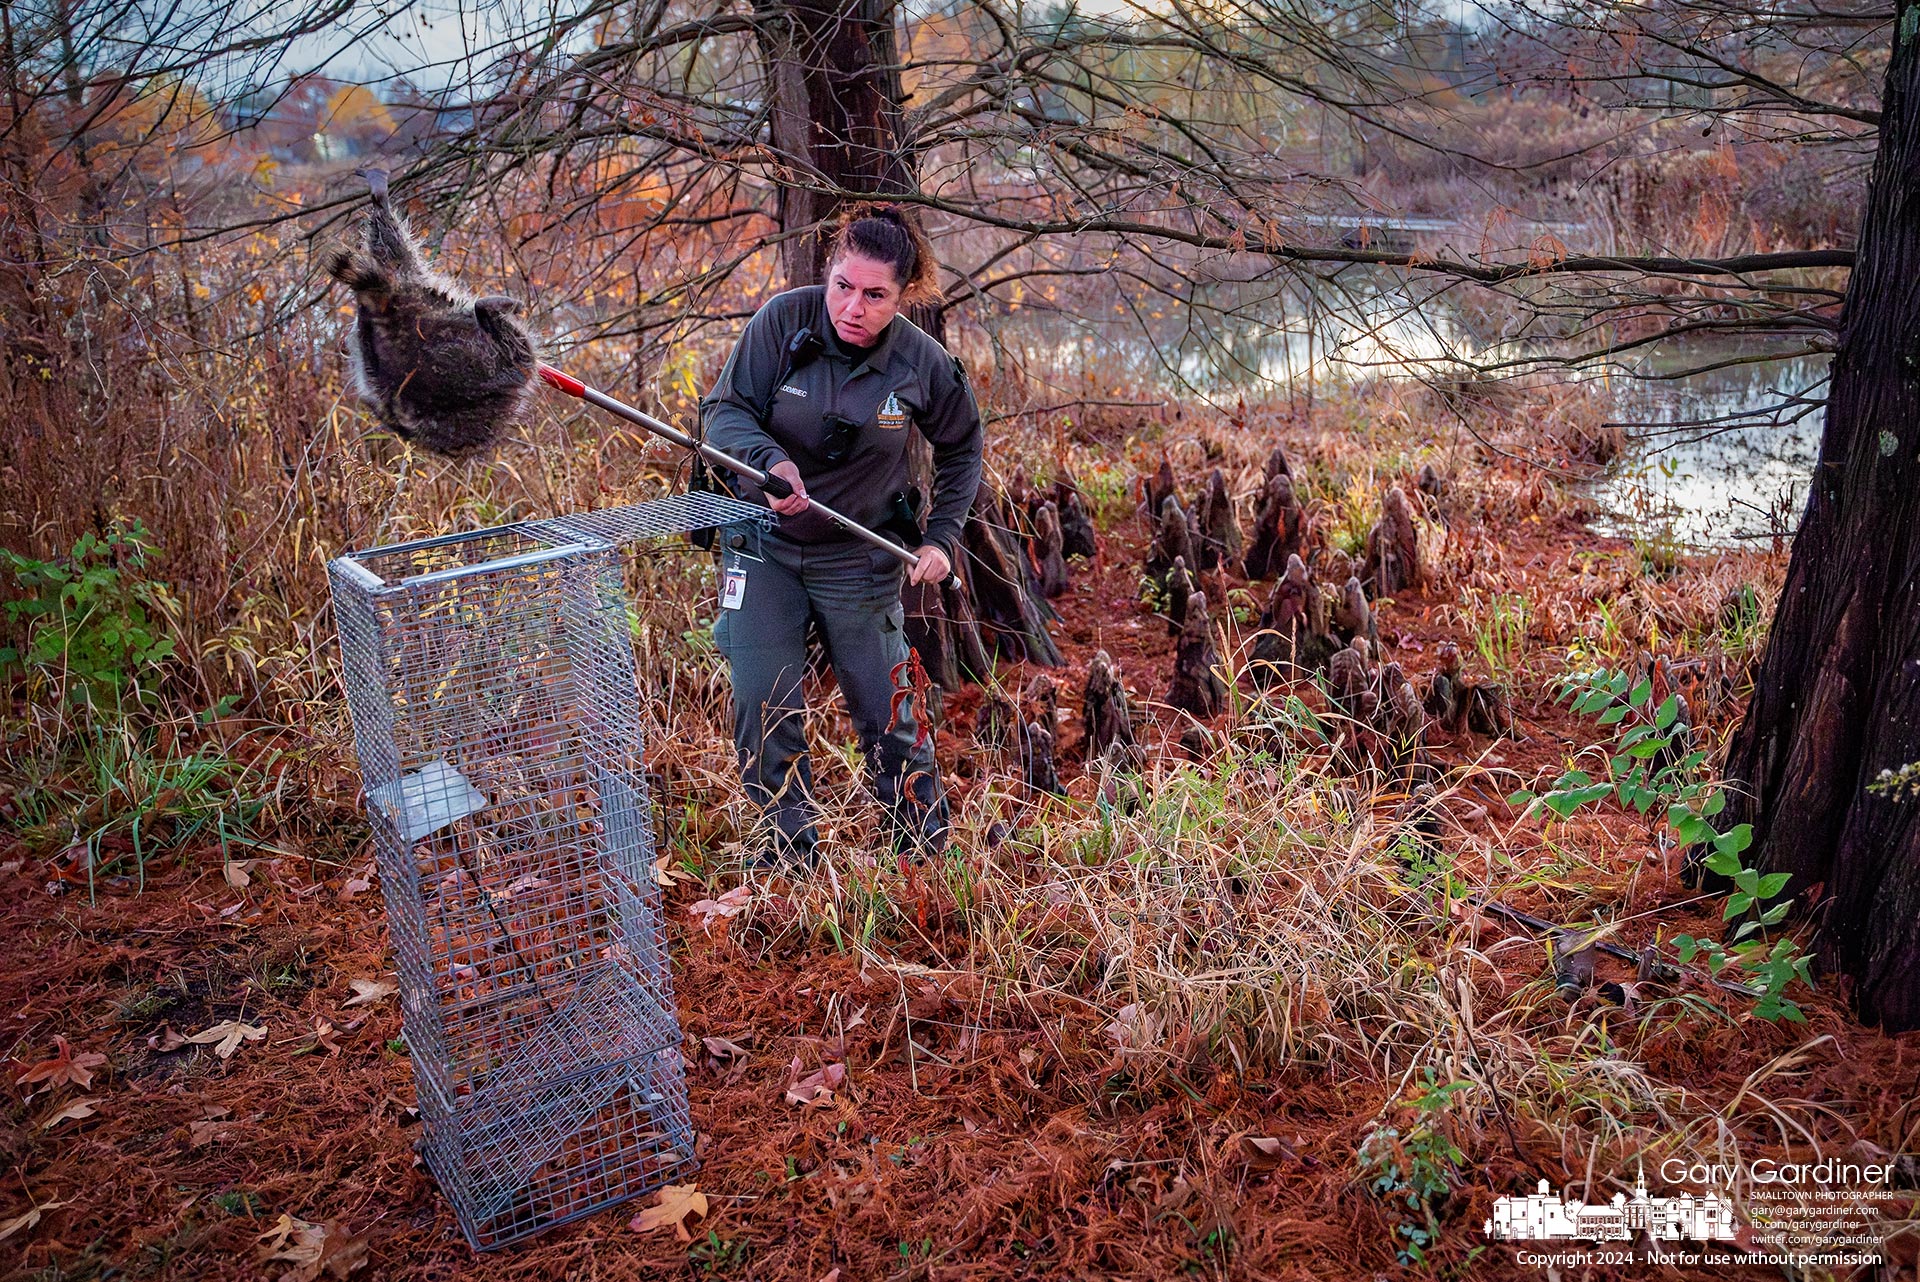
[733,588]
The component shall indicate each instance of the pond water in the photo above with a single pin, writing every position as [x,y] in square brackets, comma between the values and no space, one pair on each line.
[1715,485]
[1713,459]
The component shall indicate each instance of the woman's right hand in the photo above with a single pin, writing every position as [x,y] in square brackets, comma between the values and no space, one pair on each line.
[795,503]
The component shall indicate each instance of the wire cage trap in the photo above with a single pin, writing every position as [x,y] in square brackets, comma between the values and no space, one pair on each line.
[497,720]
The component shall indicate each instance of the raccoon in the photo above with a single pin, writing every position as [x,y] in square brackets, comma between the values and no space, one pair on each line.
[444,370]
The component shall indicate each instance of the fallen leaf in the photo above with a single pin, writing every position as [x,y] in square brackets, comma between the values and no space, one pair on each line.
[165,1040]
[65,1066]
[665,874]
[285,1231]
[226,1036]
[343,1253]
[26,1219]
[323,1036]
[677,1203]
[210,1132]
[296,1242]
[1176,1196]
[73,1112]
[236,873]
[721,1048]
[1133,1029]
[368,991]
[362,880]
[731,904]
[816,1088]
[312,1249]
[522,884]
[1264,1153]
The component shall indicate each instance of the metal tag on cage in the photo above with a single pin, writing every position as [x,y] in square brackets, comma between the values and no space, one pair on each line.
[734,591]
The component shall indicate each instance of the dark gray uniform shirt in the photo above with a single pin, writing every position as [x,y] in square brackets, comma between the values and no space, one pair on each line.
[906,377]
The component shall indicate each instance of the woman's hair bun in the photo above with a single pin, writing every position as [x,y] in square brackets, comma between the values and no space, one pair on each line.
[883,231]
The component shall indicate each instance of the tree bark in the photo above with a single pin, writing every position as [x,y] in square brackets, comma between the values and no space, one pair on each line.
[1837,697]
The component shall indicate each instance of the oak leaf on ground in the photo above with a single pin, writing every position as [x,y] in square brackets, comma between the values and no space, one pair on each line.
[26,1219]
[677,1204]
[72,1112]
[368,991]
[1263,1153]
[723,1048]
[226,1036]
[731,904]
[312,1249]
[816,1088]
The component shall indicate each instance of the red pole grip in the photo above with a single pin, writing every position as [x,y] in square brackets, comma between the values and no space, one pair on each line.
[562,380]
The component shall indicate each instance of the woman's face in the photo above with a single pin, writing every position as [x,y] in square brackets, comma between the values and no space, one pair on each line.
[862,297]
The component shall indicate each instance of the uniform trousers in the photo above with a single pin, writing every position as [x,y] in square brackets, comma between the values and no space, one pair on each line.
[851,593]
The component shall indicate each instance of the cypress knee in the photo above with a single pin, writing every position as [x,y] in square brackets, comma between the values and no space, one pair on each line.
[1076,523]
[1180,588]
[1278,530]
[1173,539]
[1108,718]
[1048,552]
[1220,541]
[1003,589]
[1392,562]
[1197,688]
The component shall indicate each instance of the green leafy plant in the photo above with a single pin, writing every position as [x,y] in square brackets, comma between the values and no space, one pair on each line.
[1415,1167]
[1653,769]
[90,624]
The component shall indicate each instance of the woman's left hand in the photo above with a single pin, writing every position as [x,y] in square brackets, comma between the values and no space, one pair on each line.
[933,568]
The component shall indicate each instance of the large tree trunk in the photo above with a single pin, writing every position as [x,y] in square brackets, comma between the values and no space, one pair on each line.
[1837,698]
[835,78]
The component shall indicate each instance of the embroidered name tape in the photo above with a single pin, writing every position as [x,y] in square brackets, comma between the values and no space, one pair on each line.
[791,390]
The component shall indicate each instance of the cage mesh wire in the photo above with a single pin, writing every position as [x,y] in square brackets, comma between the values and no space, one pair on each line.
[497,720]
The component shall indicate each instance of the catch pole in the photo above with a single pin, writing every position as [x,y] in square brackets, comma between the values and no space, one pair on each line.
[772,484]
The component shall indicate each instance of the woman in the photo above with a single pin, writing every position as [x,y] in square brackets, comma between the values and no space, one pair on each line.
[819,391]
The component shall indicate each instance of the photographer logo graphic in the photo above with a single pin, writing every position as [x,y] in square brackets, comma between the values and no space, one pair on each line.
[1541,1216]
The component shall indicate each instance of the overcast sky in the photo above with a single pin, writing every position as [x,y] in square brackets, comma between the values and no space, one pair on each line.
[434,43]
